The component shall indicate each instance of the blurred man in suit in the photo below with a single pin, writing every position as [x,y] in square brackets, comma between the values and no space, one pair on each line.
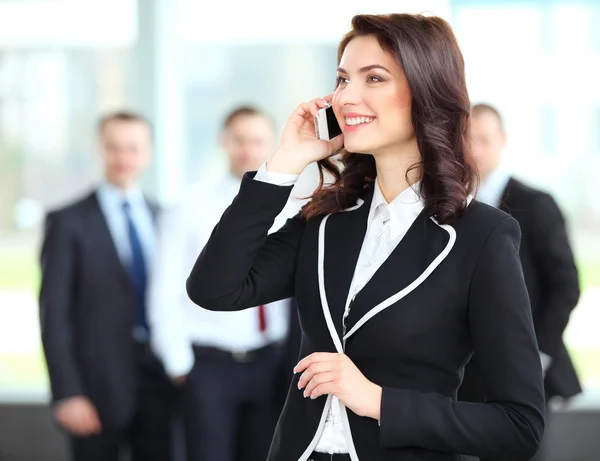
[548,264]
[235,367]
[108,390]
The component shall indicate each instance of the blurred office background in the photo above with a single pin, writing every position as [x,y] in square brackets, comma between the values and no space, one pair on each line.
[184,63]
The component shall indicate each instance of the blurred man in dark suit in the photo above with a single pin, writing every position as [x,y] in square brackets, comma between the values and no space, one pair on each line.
[548,264]
[109,392]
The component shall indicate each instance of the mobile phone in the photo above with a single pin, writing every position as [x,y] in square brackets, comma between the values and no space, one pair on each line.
[326,125]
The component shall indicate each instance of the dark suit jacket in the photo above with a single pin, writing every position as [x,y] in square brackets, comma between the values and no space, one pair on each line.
[552,282]
[456,289]
[87,312]
[289,359]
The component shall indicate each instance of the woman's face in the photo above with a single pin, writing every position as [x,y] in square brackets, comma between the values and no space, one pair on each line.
[372,102]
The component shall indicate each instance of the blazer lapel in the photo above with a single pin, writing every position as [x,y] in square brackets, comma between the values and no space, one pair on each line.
[505,201]
[344,235]
[417,254]
[103,239]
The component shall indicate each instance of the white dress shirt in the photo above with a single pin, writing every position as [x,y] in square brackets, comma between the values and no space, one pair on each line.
[176,322]
[386,226]
[491,188]
[111,199]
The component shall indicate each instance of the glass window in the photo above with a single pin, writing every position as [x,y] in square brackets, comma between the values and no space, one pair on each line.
[542,76]
[61,67]
[273,77]
[54,82]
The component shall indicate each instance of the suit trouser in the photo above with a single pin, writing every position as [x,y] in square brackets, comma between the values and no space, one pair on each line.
[228,410]
[149,436]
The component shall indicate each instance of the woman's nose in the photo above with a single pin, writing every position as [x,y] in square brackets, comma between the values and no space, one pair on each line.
[349,95]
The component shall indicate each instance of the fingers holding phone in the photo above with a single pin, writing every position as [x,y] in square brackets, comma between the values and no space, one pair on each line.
[299,144]
[326,125]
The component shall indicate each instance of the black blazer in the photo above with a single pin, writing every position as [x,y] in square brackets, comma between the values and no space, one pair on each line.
[87,312]
[552,282]
[289,358]
[457,288]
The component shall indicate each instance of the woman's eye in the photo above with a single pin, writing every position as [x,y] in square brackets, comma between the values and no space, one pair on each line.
[340,80]
[374,79]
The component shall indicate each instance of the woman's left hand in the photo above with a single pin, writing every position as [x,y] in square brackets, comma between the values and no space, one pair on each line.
[330,373]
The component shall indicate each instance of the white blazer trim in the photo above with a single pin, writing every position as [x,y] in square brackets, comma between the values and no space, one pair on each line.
[405,291]
[374,311]
[348,432]
[384,304]
[338,346]
[359,203]
[315,440]
[321,276]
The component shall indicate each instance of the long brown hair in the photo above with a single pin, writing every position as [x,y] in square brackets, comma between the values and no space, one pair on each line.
[427,51]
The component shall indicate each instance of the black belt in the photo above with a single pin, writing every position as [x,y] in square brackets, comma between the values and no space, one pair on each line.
[238,357]
[327,457]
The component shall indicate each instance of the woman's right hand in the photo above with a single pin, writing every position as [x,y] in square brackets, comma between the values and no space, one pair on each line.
[298,144]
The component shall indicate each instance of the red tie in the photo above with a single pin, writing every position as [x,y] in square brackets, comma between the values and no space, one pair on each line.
[262,318]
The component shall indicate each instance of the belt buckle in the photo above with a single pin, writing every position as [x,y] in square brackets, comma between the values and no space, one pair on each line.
[241,357]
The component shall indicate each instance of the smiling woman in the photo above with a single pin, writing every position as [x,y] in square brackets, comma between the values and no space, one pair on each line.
[399,276]
[401,78]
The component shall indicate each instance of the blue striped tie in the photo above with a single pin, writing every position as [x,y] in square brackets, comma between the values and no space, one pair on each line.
[139,276]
